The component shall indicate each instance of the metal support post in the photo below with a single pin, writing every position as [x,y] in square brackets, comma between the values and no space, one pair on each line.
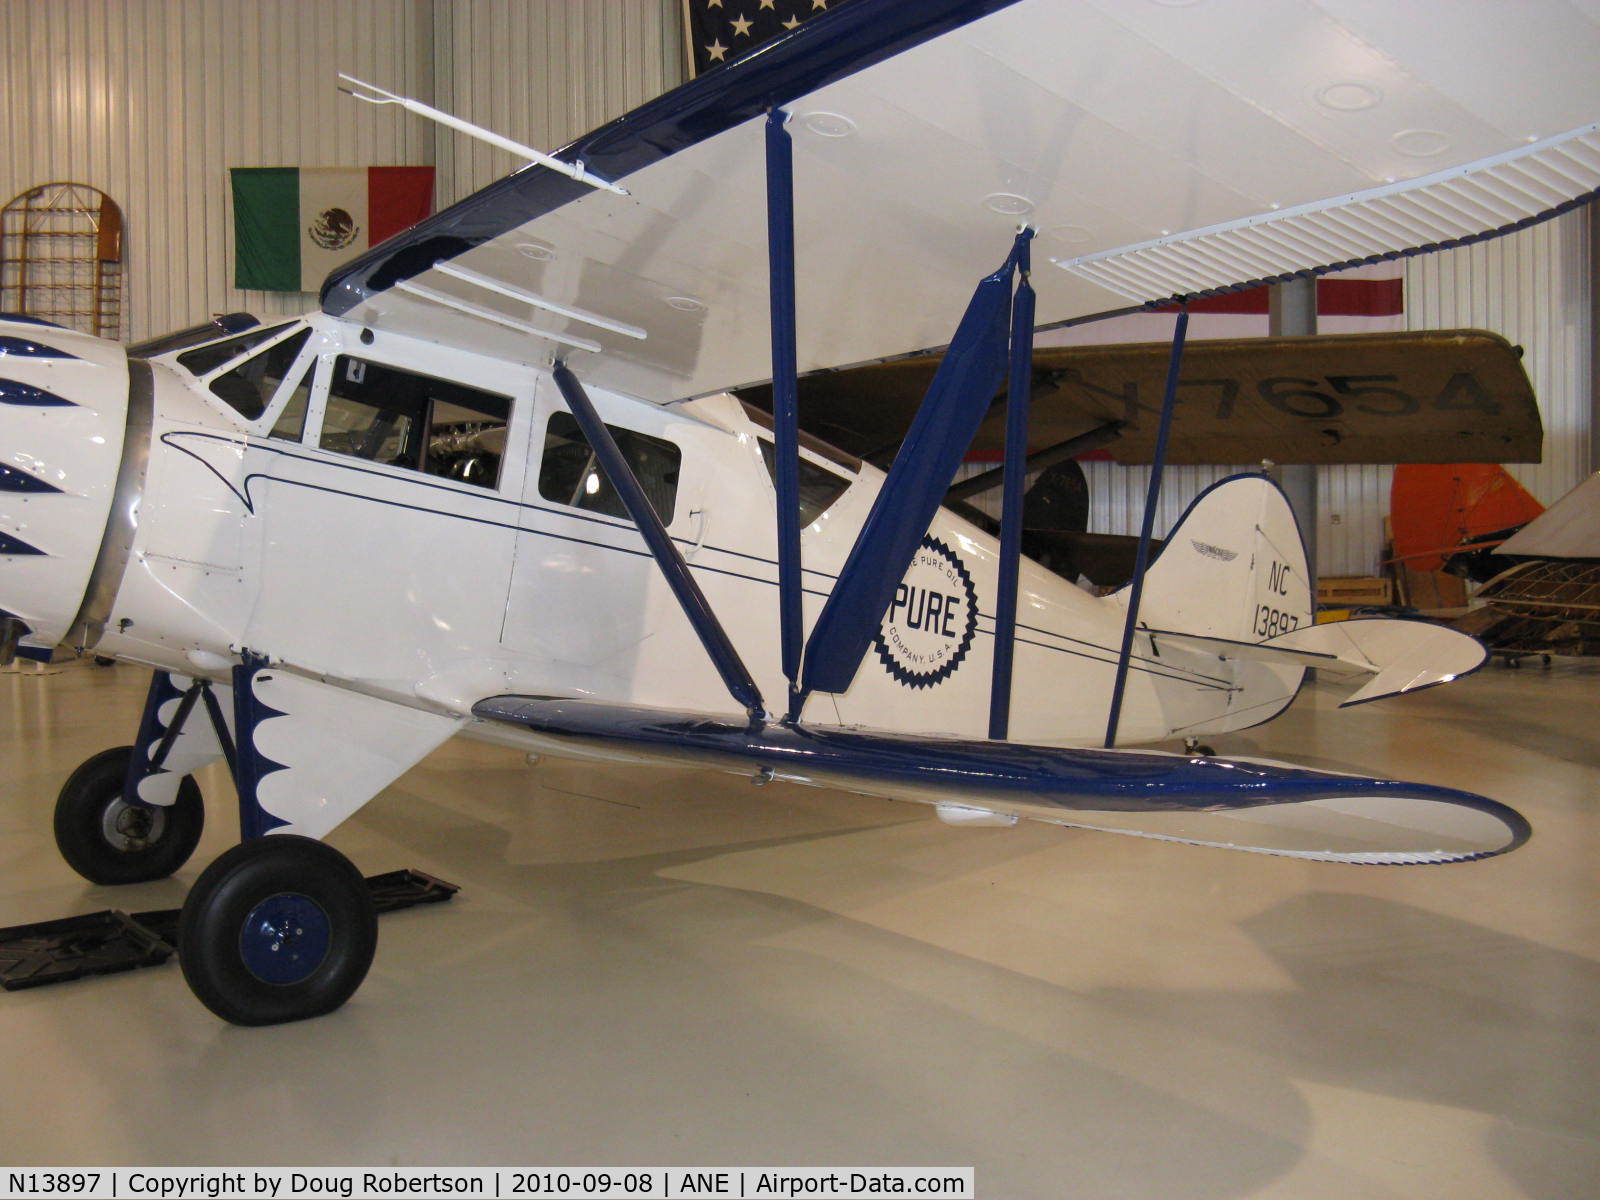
[1152,496]
[695,606]
[785,399]
[1292,312]
[1017,396]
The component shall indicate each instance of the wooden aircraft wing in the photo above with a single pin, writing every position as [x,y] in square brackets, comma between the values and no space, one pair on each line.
[1158,149]
[1236,804]
[1439,396]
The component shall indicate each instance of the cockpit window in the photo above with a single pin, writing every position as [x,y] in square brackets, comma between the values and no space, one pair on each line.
[819,488]
[202,360]
[291,422]
[571,474]
[407,420]
[250,386]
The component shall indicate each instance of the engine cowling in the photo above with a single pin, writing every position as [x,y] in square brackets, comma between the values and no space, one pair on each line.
[75,419]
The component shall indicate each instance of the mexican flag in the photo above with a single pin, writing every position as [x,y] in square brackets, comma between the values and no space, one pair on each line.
[293,225]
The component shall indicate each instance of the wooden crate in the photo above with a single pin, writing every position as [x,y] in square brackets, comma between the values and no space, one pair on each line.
[1431,591]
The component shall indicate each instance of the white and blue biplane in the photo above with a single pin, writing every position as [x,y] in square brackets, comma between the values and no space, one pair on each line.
[497,485]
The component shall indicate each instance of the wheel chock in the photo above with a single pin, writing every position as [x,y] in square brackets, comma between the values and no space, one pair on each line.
[104,943]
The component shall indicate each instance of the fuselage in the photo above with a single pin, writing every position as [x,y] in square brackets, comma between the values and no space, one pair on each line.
[425,525]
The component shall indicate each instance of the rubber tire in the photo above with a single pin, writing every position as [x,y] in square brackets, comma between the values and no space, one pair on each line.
[231,888]
[79,824]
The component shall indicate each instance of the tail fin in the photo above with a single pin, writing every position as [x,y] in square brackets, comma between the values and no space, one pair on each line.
[1231,581]
[1233,567]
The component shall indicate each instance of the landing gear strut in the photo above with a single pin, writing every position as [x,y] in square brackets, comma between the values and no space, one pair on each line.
[277,929]
[1194,746]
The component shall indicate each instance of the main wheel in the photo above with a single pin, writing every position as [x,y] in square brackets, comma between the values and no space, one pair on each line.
[277,929]
[107,840]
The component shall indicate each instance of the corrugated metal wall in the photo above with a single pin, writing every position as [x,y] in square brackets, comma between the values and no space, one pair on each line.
[545,72]
[153,100]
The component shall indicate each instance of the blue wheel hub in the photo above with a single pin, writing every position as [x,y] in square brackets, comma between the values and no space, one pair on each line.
[285,938]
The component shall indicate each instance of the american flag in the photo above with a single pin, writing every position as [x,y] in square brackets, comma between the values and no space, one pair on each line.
[719,31]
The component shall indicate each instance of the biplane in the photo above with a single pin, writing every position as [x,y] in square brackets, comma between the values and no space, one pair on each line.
[498,484]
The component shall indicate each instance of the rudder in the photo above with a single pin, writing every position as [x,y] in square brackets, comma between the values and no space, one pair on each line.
[1234,566]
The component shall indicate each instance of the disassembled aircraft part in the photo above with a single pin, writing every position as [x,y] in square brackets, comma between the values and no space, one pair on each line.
[1431,396]
[1569,528]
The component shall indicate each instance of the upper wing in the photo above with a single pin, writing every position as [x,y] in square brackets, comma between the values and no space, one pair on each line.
[1438,396]
[1238,804]
[1159,149]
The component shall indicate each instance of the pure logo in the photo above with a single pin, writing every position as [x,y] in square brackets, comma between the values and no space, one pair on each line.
[931,620]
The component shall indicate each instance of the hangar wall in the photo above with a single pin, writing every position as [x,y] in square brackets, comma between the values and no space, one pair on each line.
[545,72]
[152,100]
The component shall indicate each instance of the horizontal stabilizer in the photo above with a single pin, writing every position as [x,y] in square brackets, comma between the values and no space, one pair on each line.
[1401,656]
[1259,806]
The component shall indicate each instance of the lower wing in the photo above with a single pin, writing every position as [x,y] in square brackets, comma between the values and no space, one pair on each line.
[1238,804]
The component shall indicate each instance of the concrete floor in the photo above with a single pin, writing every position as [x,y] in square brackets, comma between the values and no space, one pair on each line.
[679,969]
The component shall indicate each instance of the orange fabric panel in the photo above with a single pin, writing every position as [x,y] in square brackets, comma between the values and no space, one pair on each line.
[1434,507]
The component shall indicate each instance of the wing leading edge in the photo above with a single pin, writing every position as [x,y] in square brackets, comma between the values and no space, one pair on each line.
[1241,804]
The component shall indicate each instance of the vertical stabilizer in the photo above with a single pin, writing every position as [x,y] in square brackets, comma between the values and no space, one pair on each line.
[1233,567]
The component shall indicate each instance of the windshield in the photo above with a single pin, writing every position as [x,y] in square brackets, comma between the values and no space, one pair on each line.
[206,331]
